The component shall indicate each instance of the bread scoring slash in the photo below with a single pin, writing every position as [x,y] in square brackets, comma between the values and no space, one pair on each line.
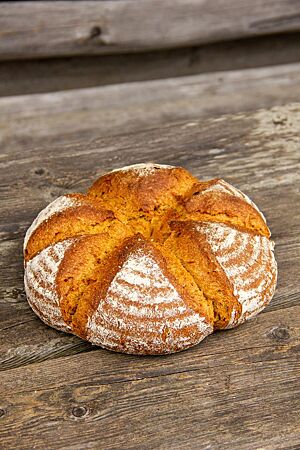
[150,261]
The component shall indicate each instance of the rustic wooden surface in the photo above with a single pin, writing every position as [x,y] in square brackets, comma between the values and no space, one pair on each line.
[39,28]
[239,389]
[128,107]
[58,74]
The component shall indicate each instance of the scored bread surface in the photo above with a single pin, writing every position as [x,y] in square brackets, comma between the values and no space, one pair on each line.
[150,261]
[249,264]
[143,305]
[60,204]
[40,279]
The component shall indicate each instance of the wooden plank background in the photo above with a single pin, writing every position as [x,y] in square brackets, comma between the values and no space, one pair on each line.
[57,74]
[43,29]
[88,86]
[114,109]
[237,389]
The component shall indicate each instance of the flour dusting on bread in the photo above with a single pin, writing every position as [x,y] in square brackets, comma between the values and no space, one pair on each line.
[248,262]
[40,284]
[60,204]
[143,169]
[141,300]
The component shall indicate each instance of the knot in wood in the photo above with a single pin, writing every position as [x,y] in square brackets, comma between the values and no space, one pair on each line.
[2,412]
[18,294]
[95,32]
[280,334]
[79,411]
[279,119]
[39,171]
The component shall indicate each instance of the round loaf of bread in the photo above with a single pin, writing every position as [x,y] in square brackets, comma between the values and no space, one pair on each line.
[150,261]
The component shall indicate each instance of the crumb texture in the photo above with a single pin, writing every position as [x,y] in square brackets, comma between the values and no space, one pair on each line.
[150,261]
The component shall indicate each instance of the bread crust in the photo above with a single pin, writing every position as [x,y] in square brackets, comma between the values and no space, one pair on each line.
[218,201]
[149,261]
[192,248]
[73,215]
[155,318]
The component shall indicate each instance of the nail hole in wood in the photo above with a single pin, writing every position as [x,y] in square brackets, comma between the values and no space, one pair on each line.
[79,411]
[39,171]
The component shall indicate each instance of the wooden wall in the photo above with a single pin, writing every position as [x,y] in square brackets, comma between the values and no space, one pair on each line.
[57,74]
[63,28]
[81,67]
[48,46]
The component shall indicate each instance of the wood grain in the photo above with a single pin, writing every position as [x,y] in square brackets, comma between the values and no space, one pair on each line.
[58,74]
[39,29]
[270,334]
[237,389]
[83,113]
[112,400]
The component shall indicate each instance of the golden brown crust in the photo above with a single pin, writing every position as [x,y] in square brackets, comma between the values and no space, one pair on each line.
[148,261]
[85,217]
[141,197]
[87,264]
[196,255]
[201,203]
[154,189]
[93,261]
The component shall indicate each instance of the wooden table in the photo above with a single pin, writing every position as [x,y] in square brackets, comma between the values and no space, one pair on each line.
[239,389]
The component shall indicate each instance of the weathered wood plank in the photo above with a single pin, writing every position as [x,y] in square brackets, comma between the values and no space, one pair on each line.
[57,74]
[250,395]
[128,107]
[35,29]
[258,152]
[270,335]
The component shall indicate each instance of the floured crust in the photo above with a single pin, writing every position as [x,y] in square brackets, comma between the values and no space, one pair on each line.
[217,200]
[142,310]
[248,262]
[69,215]
[150,261]
[194,251]
[40,283]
